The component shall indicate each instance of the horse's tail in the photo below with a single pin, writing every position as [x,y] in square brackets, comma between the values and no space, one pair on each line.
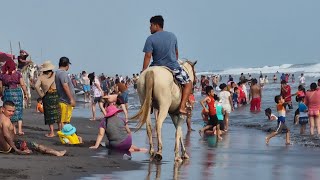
[145,109]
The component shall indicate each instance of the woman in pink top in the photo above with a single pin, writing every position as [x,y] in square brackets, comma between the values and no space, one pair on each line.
[313,103]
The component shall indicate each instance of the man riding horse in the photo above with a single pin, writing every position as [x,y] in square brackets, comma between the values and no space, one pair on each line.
[157,89]
[22,59]
[162,46]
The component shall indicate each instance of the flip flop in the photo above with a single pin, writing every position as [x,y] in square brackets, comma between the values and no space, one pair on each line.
[49,136]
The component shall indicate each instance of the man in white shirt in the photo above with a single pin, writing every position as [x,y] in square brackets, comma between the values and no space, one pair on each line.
[302,80]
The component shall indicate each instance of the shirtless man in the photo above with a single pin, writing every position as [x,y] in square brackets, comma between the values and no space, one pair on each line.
[255,96]
[8,143]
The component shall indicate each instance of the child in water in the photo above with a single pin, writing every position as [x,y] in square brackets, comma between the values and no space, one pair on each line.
[211,110]
[303,114]
[281,120]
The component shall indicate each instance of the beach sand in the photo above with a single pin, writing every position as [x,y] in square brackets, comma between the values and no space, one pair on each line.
[80,161]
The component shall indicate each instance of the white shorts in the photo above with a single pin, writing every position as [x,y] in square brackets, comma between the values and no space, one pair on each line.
[227,107]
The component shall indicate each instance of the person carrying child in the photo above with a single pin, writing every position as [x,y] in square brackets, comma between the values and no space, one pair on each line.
[213,120]
[281,120]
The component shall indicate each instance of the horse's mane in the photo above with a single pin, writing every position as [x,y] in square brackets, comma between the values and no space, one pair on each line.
[25,68]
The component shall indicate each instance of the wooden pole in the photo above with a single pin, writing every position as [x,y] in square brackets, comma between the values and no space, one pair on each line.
[10,48]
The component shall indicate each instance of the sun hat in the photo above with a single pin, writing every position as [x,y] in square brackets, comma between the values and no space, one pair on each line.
[112,110]
[46,66]
[68,129]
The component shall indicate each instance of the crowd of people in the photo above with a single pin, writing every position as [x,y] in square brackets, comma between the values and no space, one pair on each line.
[57,98]
[56,89]
[232,95]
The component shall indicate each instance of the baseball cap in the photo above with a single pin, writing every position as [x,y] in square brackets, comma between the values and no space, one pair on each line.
[64,61]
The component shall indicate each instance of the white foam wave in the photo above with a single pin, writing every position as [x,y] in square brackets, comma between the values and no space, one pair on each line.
[312,70]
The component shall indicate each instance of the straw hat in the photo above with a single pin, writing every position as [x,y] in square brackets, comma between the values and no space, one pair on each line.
[112,110]
[46,66]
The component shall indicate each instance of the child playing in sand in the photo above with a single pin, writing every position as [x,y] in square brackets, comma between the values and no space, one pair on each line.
[68,135]
[213,120]
[303,114]
[39,105]
[281,120]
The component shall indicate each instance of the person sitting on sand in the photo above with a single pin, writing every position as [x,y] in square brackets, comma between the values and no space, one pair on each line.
[281,120]
[117,131]
[7,142]
[68,135]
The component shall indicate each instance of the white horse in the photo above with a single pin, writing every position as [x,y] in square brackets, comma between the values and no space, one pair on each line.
[157,89]
[28,73]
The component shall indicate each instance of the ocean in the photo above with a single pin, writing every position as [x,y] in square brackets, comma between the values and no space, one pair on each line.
[309,70]
[241,154]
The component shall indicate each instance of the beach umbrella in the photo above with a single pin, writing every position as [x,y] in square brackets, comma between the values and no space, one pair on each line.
[4,57]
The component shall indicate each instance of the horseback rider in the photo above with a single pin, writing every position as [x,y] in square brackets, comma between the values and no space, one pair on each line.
[22,59]
[162,46]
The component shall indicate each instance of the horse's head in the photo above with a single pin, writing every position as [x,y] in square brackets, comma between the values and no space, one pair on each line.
[188,66]
[31,69]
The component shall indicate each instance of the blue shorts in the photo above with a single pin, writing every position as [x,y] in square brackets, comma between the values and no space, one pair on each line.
[86,88]
[124,96]
[181,76]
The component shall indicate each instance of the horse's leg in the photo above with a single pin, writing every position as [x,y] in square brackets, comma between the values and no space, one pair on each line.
[183,149]
[175,119]
[149,133]
[162,114]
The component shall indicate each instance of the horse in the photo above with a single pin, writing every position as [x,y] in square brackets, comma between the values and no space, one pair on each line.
[28,73]
[157,89]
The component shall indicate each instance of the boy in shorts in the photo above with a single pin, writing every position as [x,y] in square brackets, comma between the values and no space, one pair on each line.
[281,120]
[213,119]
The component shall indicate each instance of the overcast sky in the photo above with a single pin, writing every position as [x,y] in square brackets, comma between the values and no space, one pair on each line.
[108,36]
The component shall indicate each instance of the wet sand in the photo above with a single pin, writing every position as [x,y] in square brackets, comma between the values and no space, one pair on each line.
[80,161]
[242,154]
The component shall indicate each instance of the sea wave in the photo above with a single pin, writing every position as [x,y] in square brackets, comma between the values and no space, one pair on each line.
[310,69]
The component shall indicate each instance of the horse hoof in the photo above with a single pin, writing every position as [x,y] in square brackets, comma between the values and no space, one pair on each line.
[158,157]
[185,156]
[151,153]
[178,159]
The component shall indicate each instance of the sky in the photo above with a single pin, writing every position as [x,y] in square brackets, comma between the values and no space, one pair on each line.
[108,36]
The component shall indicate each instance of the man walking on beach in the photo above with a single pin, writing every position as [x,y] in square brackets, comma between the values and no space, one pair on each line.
[65,90]
[255,96]
[162,46]
[7,142]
